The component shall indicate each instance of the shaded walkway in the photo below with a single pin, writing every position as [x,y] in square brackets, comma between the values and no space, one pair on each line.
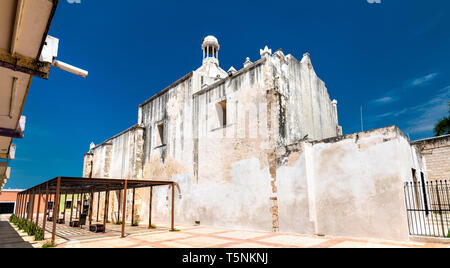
[67,233]
[9,238]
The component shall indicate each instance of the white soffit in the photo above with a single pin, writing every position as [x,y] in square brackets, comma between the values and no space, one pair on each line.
[22,31]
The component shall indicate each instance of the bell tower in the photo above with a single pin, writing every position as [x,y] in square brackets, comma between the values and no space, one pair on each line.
[210,49]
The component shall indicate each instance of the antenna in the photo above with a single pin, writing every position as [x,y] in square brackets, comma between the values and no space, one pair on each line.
[362,120]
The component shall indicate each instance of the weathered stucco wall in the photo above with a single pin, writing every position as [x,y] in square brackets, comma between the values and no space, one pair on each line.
[435,154]
[308,109]
[243,202]
[349,186]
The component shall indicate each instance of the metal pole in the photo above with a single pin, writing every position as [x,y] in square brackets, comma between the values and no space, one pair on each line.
[44,222]
[440,208]
[56,208]
[124,208]
[91,204]
[16,204]
[51,202]
[150,208]
[98,205]
[17,211]
[132,207]
[105,211]
[119,205]
[33,200]
[424,192]
[362,120]
[30,205]
[173,207]
[39,206]
[64,208]
[71,206]
[107,207]
[24,205]
[81,208]
[76,206]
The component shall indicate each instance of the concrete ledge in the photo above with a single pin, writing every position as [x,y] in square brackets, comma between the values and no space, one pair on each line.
[424,239]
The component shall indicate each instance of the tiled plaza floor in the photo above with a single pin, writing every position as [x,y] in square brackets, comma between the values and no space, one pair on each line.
[194,237]
[208,237]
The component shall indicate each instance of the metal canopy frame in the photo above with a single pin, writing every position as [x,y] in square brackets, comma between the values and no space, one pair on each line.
[76,186]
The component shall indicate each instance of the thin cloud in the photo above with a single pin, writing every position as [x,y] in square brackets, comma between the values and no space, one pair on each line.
[422,81]
[394,95]
[425,115]
[429,113]
[390,114]
[386,99]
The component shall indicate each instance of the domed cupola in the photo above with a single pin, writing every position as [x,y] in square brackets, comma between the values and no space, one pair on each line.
[210,49]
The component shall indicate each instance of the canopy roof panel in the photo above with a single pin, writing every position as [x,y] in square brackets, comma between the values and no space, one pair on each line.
[86,185]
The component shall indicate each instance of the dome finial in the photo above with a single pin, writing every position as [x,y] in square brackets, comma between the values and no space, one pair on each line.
[265,52]
[211,49]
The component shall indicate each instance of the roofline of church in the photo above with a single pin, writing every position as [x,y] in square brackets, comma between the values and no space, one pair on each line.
[179,81]
[115,136]
[241,71]
[189,75]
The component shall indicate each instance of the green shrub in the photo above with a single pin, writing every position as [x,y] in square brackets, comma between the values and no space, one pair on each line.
[31,228]
[118,223]
[21,224]
[135,223]
[48,245]
[39,235]
[153,227]
[448,236]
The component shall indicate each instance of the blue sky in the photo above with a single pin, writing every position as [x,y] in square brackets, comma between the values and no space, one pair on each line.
[392,58]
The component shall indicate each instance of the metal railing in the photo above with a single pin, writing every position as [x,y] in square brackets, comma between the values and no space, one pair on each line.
[428,208]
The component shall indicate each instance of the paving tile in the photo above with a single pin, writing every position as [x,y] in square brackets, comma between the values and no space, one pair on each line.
[172,244]
[249,245]
[198,242]
[207,230]
[116,243]
[162,236]
[295,241]
[242,235]
[351,244]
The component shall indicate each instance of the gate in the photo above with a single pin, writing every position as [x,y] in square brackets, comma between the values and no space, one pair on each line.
[428,208]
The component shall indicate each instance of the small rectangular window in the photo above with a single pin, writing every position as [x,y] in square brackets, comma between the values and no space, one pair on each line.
[222,113]
[160,136]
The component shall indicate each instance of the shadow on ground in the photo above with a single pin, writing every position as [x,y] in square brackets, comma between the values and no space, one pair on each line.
[9,238]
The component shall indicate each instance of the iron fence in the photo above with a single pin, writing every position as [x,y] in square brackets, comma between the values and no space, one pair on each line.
[428,208]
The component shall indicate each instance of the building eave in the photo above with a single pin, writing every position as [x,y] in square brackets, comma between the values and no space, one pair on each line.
[162,92]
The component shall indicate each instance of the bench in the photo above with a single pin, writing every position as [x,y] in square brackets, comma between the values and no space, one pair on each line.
[97,228]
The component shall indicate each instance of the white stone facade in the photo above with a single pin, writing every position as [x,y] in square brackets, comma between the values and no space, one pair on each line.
[244,148]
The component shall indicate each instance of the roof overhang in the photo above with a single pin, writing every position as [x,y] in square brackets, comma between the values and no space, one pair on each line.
[69,185]
[5,172]
[24,26]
